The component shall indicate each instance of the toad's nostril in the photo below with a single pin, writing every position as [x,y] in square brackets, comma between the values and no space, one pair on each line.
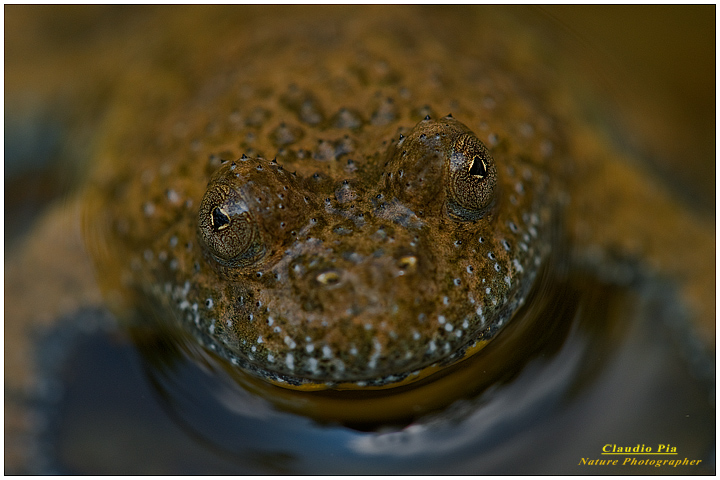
[407,262]
[328,278]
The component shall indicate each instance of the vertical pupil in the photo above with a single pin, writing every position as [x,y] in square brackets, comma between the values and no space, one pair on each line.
[220,219]
[478,166]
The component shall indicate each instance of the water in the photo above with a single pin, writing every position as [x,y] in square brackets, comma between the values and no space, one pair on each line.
[587,364]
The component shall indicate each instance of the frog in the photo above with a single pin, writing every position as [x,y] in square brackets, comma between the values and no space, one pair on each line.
[336,231]
[346,218]
[367,278]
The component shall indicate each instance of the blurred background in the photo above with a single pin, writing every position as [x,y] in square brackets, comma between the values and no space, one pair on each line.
[656,63]
[652,66]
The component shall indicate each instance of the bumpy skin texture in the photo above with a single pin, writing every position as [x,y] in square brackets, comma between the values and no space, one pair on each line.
[314,220]
[367,280]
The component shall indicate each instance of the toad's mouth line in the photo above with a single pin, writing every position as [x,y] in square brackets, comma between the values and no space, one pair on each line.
[423,373]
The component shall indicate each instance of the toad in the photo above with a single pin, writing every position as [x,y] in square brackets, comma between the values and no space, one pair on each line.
[324,214]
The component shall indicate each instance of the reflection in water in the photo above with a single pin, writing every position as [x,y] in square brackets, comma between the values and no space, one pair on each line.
[482,422]
[612,377]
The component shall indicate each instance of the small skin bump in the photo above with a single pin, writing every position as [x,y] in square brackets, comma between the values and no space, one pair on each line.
[289,342]
[148,209]
[290,361]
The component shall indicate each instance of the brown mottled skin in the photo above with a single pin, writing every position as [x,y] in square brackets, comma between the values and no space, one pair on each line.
[320,221]
[304,205]
[366,278]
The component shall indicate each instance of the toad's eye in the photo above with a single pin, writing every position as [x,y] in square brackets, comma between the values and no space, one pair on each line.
[249,211]
[470,180]
[227,230]
[442,168]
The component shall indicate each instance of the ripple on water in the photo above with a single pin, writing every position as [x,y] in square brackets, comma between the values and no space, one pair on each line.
[567,359]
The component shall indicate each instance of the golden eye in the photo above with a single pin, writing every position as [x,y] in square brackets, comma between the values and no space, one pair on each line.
[227,230]
[471,179]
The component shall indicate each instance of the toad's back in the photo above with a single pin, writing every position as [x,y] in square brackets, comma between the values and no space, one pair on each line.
[311,212]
